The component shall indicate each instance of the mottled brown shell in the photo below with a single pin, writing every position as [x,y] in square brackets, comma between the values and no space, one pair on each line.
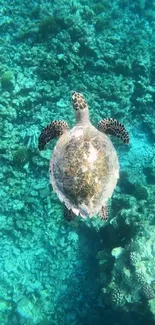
[84,169]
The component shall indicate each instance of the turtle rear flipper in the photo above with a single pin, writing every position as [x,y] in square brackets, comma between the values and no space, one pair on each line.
[68,214]
[113,127]
[51,131]
[103,214]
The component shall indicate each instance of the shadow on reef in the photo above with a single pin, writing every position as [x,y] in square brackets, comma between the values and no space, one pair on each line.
[107,316]
[86,305]
[83,286]
[102,311]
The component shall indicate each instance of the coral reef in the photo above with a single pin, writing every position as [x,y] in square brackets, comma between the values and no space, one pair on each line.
[83,272]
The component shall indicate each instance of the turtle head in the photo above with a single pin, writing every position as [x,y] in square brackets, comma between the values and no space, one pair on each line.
[81,108]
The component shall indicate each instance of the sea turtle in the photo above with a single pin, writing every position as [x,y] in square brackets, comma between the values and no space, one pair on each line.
[84,167]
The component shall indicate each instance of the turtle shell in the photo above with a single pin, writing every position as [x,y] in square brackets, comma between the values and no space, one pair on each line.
[84,170]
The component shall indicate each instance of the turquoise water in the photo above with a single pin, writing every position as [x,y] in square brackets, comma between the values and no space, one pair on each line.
[82,272]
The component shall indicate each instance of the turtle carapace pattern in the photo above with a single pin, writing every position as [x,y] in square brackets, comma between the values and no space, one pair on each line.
[84,166]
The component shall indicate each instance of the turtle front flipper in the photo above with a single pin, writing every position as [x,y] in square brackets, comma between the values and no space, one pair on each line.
[51,131]
[103,214]
[113,127]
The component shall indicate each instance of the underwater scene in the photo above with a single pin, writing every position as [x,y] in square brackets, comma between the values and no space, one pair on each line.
[77,231]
